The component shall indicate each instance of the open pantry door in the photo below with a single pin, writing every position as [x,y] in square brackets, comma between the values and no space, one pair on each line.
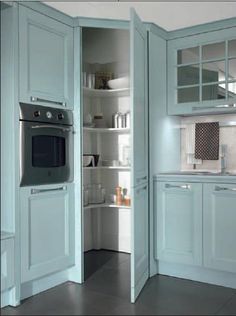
[139,115]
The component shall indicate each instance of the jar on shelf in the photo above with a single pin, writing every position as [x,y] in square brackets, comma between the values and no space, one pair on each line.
[99,121]
[85,196]
[97,194]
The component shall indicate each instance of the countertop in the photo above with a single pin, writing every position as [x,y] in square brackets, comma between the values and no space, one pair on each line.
[195,177]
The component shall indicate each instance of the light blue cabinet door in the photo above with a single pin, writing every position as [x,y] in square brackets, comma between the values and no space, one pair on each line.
[220,227]
[178,223]
[139,101]
[46,60]
[201,73]
[47,230]
[139,241]
[139,219]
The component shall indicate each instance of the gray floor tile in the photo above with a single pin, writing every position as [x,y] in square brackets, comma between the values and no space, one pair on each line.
[229,308]
[107,292]
[184,297]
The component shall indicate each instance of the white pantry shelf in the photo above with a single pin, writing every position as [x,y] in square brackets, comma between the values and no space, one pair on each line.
[108,168]
[106,205]
[106,130]
[99,93]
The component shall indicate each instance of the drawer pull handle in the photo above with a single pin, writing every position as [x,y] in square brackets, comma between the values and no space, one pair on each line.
[184,186]
[36,99]
[36,191]
[223,106]
[225,189]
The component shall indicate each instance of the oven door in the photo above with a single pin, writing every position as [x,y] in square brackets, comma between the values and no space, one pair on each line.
[46,153]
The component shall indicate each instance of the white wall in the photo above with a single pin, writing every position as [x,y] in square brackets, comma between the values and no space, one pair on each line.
[169,15]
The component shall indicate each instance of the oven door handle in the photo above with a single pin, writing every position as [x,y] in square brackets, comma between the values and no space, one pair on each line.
[64,129]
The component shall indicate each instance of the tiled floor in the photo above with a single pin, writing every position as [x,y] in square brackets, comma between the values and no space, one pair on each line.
[106,292]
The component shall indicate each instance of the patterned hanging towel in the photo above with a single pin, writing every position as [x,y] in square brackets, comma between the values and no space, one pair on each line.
[207,141]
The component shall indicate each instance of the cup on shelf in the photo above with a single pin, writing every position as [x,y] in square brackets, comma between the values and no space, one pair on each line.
[88,160]
[97,194]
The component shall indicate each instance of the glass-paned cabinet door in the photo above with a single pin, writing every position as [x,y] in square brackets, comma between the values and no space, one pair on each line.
[202,73]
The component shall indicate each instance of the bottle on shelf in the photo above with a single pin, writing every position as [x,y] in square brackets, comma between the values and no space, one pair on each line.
[119,197]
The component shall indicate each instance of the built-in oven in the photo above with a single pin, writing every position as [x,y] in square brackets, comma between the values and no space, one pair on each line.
[46,145]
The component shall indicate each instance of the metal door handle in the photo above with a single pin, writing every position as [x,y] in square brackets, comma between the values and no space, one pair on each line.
[225,189]
[184,186]
[223,106]
[64,129]
[142,178]
[36,191]
[142,189]
[36,99]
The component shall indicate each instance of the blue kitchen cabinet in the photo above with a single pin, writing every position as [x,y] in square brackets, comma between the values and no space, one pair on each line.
[219,218]
[46,68]
[201,73]
[47,230]
[178,222]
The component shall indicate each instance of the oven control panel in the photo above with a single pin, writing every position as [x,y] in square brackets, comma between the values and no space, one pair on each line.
[43,114]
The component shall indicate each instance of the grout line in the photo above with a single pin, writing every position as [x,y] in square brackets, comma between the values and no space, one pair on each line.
[226,303]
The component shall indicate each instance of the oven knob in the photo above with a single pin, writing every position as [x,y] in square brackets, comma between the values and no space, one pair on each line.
[49,115]
[60,116]
[36,113]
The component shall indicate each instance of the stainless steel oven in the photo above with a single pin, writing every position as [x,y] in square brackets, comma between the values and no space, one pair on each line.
[46,145]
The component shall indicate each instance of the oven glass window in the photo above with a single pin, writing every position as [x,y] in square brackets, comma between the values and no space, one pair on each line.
[48,151]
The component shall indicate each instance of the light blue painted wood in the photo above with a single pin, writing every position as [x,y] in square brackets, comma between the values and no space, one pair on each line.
[43,8]
[164,139]
[139,240]
[198,107]
[7,264]
[178,208]
[10,140]
[219,226]
[139,125]
[202,28]
[139,101]
[77,272]
[102,23]
[196,273]
[46,59]
[47,230]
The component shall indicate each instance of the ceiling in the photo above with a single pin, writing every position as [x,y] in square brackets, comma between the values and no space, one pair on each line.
[168,15]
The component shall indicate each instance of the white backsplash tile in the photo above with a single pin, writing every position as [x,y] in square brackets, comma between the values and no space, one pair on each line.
[227,136]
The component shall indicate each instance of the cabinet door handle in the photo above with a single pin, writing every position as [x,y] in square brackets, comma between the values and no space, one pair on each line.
[142,189]
[172,186]
[64,129]
[37,191]
[225,189]
[142,179]
[223,106]
[36,99]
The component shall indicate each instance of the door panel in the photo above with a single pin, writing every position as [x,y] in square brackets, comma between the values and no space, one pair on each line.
[140,245]
[140,211]
[219,227]
[47,231]
[178,208]
[139,108]
[46,60]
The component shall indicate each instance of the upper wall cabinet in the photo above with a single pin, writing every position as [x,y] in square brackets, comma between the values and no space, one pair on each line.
[202,73]
[46,60]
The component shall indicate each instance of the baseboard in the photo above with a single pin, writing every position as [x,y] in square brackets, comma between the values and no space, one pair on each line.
[40,285]
[199,274]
